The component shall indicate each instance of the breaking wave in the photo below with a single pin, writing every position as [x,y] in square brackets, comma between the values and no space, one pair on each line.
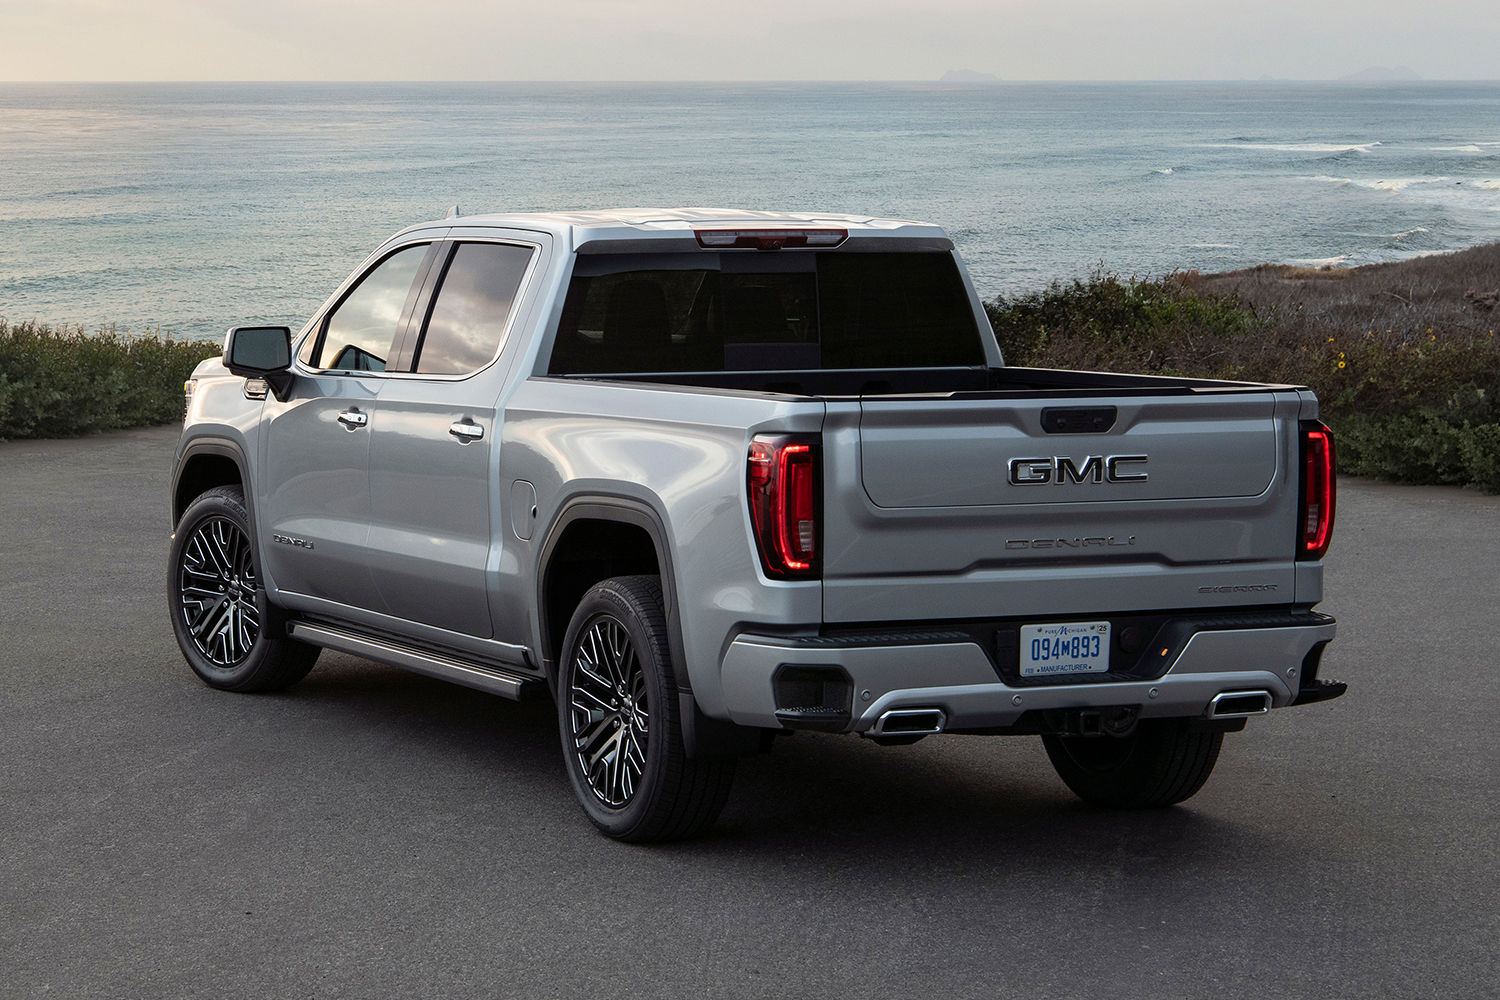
[1298,147]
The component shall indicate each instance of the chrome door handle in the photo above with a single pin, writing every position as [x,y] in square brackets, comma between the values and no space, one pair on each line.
[353,418]
[466,432]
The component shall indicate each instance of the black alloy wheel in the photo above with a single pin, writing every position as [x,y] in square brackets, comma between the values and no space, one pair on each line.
[619,715]
[218,591]
[611,712]
[228,631]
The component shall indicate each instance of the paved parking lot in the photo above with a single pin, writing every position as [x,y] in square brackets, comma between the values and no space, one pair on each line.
[372,833]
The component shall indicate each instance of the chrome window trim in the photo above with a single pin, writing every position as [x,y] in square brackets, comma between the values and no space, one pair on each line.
[383,252]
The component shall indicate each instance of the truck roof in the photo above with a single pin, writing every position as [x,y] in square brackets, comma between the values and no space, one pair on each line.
[574,228]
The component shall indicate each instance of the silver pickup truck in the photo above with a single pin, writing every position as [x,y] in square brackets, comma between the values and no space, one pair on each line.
[711,477]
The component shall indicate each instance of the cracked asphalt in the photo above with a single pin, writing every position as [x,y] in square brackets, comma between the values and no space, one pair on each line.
[372,833]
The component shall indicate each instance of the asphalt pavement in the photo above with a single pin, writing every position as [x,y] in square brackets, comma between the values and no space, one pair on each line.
[372,833]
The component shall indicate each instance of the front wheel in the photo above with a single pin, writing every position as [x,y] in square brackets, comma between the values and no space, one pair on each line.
[220,614]
[619,718]
[1161,763]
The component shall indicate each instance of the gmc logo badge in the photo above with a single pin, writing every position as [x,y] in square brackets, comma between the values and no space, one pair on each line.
[1061,469]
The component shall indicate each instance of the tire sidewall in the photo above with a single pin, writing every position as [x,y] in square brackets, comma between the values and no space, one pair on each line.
[604,601]
[1144,773]
[216,503]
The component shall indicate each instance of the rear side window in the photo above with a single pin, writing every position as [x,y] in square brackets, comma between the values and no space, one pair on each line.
[472,307]
[359,333]
[787,311]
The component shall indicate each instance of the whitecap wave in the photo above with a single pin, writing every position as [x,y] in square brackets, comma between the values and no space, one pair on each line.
[1321,261]
[1488,185]
[1455,149]
[1298,147]
[1162,170]
[1398,237]
[1212,246]
[1396,185]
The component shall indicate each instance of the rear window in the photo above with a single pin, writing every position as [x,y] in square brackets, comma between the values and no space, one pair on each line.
[473,304]
[782,311]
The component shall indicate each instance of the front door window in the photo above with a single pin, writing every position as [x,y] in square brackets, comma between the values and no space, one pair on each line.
[360,332]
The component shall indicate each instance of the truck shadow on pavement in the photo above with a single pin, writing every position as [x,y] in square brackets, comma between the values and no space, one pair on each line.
[956,800]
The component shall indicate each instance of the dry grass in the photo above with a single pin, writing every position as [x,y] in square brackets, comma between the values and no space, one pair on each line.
[1453,293]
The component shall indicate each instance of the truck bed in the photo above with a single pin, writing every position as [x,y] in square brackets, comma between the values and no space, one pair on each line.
[967,383]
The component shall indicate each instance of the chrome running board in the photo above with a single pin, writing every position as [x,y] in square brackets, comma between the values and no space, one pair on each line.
[517,687]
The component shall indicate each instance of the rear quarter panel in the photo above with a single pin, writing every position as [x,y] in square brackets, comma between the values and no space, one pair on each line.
[682,453]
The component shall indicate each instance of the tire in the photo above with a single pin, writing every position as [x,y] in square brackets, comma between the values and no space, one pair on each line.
[618,715]
[1161,763]
[227,630]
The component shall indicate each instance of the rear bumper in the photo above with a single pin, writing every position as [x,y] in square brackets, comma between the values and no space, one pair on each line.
[961,679]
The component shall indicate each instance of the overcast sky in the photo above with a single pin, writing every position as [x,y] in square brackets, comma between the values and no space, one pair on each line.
[742,39]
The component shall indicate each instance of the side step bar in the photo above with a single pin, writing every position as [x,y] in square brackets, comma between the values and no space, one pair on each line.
[517,687]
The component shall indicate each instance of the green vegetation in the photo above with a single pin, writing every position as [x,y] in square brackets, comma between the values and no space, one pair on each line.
[1403,356]
[65,382]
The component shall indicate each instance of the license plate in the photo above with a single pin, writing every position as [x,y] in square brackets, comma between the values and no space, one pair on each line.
[1066,648]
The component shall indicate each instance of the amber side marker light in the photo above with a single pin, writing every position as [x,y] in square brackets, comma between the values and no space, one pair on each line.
[1319,491]
[782,476]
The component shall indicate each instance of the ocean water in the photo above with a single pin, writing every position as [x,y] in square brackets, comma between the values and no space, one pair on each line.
[191,207]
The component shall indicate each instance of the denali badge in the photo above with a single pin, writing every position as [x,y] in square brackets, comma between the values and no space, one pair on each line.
[1061,468]
[1243,588]
[1067,543]
[301,543]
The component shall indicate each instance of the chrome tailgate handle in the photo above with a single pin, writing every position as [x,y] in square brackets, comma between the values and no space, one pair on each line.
[353,418]
[465,431]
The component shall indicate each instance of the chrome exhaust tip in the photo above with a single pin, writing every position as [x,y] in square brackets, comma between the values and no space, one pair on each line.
[910,722]
[1239,704]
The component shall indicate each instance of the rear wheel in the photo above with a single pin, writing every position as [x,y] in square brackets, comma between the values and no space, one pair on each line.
[621,730]
[1161,763]
[228,632]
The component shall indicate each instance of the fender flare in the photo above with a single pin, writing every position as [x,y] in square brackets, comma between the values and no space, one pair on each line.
[625,510]
[220,447]
[208,445]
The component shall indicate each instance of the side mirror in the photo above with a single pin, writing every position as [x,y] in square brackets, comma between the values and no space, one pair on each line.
[263,352]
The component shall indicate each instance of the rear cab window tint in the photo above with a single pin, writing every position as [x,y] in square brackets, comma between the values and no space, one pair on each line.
[362,329]
[473,304]
[754,311]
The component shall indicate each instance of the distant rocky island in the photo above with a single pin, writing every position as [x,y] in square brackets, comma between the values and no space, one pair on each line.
[967,76]
[1379,74]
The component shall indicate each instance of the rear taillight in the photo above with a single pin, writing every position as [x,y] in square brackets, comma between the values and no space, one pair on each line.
[783,481]
[1319,491]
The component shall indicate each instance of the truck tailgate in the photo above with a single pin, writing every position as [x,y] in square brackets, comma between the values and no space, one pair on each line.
[945,508]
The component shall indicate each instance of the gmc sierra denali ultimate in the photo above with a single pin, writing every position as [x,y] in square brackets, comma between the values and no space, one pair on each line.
[706,477]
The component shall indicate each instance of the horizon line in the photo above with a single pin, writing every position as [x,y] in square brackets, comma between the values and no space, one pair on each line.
[923,80]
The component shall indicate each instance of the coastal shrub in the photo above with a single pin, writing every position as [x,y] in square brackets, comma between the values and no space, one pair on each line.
[1452,446]
[1109,316]
[64,382]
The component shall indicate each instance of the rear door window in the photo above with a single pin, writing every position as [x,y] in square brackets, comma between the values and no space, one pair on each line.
[785,311]
[473,305]
[358,335]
